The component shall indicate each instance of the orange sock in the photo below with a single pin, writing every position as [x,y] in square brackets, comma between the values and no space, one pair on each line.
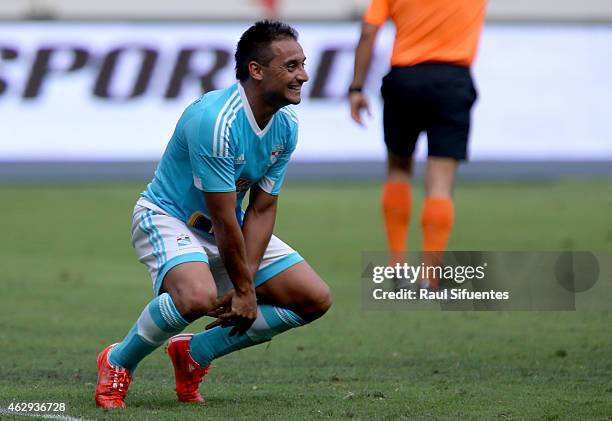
[437,223]
[397,206]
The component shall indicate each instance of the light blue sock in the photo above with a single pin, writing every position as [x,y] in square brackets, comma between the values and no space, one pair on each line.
[216,342]
[159,321]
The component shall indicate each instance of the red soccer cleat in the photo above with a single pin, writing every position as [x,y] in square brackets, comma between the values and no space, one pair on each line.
[113,382]
[187,372]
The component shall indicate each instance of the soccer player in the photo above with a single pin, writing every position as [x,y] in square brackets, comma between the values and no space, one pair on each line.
[191,233]
[429,88]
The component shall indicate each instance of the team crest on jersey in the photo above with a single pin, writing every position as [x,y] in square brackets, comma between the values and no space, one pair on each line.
[242,184]
[276,151]
[183,240]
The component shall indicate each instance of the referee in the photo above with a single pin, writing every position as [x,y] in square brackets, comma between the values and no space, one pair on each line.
[429,88]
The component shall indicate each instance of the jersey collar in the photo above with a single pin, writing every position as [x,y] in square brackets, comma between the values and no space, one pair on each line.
[250,117]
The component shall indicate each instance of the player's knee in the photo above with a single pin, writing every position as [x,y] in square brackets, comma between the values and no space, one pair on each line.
[195,303]
[324,302]
[318,303]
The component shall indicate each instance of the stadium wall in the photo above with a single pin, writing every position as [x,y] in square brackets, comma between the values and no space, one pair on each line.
[113,92]
[504,10]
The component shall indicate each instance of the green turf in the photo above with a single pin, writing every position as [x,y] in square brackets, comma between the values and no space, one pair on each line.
[71,285]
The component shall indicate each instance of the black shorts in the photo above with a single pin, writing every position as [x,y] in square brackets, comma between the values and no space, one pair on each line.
[433,97]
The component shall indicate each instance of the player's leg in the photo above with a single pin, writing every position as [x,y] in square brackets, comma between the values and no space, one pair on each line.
[298,289]
[183,284]
[188,292]
[290,294]
[453,95]
[402,119]
[192,288]
[164,245]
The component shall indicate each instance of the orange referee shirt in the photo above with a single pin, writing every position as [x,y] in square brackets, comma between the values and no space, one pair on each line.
[431,30]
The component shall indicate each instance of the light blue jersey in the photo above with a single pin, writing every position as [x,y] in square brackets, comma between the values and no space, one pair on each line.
[218,147]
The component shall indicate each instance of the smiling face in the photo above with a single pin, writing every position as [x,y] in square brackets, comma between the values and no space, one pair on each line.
[282,78]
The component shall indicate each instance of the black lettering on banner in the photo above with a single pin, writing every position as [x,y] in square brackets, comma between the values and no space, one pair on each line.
[328,58]
[322,74]
[41,67]
[182,70]
[105,76]
[6,53]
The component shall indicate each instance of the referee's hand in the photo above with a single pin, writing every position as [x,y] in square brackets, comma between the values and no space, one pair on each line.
[359,103]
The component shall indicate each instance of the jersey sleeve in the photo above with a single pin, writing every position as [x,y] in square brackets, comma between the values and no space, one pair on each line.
[211,154]
[272,181]
[377,12]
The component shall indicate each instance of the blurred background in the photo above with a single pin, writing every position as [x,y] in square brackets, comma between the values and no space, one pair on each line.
[93,90]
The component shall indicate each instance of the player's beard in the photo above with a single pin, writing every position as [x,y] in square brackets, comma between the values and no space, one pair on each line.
[294,96]
[279,100]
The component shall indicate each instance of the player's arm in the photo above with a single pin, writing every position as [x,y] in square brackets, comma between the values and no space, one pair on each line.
[363,57]
[260,214]
[258,225]
[232,249]
[212,164]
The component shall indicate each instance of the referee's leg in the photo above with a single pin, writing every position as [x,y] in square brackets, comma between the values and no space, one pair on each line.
[440,177]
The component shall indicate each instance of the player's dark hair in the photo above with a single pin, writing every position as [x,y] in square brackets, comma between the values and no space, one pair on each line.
[254,44]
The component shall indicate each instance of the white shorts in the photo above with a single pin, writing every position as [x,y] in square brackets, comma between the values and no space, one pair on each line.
[163,242]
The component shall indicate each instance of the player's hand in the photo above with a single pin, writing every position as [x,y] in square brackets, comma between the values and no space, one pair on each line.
[235,309]
[359,103]
[222,305]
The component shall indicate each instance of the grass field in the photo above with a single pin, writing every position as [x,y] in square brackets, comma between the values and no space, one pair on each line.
[71,285]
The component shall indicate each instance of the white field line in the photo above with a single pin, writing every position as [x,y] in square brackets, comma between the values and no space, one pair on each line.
[41,416]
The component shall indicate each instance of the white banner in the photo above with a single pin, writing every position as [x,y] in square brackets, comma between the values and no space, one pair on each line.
[114,91]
